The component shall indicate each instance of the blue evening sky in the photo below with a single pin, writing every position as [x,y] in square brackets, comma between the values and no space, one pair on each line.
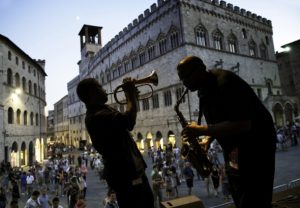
[48,29]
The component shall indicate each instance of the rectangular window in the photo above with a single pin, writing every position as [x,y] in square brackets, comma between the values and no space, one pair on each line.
[155,101]
[145,104]
[163,46]
[168,98]
[151,52]
[232,47]
[126,66]
[174,40]
[142,58]
[134,62]
[200,38]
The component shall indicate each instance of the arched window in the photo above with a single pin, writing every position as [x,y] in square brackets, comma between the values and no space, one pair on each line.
[162,43]
[36,119]
[9,77]
[10,116]
[263,51]
[29,87]
[232,43]
[252,48]
[218,39]
[17,78]
[34,89]
[18,116]
[174,38]
[25,117]
[24,84]
[269,86]
[244,33]
[201,35]
[9,55]
[31,118]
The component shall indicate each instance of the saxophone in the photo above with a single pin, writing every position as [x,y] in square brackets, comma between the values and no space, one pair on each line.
[191,149]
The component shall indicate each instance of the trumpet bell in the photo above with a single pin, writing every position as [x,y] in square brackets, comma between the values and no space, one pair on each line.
[152,78]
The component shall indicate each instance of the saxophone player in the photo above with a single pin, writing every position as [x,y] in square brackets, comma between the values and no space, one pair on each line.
[236,117]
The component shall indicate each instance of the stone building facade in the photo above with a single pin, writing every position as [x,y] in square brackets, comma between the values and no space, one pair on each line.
[223,35]
[22,105]
[289,72]
[61,121]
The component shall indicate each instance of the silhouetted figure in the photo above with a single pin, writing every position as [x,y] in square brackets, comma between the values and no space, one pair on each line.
[241,124]
[124,166]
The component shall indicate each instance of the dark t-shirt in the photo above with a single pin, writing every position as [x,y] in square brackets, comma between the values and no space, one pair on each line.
[109,132]
[231,99]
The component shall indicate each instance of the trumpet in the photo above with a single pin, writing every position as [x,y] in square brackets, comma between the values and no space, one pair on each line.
[152,78]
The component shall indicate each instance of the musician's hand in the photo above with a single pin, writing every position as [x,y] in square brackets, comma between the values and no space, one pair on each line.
[129,87]
[192,130]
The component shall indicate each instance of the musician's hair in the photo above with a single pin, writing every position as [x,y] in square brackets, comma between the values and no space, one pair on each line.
[85,86]
[191,62]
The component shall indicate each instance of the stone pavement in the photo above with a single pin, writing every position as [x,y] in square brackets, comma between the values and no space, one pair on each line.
[287,169]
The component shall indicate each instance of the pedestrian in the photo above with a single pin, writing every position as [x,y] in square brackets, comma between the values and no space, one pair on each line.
[157,184]
[109,130]
[15,193]
[29,183]
[33,202]
[55,203]
[3,199]
[188,174]
[23,183]
[14,204]
[111,200]
[241,124]
[43,199]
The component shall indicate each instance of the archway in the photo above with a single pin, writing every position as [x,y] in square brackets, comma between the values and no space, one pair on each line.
[23,159]
[139,141]
[37,150]
[149,140]
[14,156]
[159,140]
[278,115]
[288,112]
[171,138]
[30,153]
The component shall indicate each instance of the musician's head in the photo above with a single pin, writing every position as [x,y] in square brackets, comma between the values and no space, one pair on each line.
[91,92]
[192,72]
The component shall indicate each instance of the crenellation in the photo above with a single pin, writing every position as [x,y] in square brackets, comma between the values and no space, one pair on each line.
[129,26]
[140,17]
[153,7]
[230,6]
[215,2]
[223,4]
[236,9]
[125,30]
[254,15]
[243,12]
[135,22]
[248,13]
[259,18]
[146,13]
[264,20]
[160,2]
[269,22]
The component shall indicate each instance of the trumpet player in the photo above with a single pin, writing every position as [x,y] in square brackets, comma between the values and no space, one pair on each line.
[124,166]
[236,117]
